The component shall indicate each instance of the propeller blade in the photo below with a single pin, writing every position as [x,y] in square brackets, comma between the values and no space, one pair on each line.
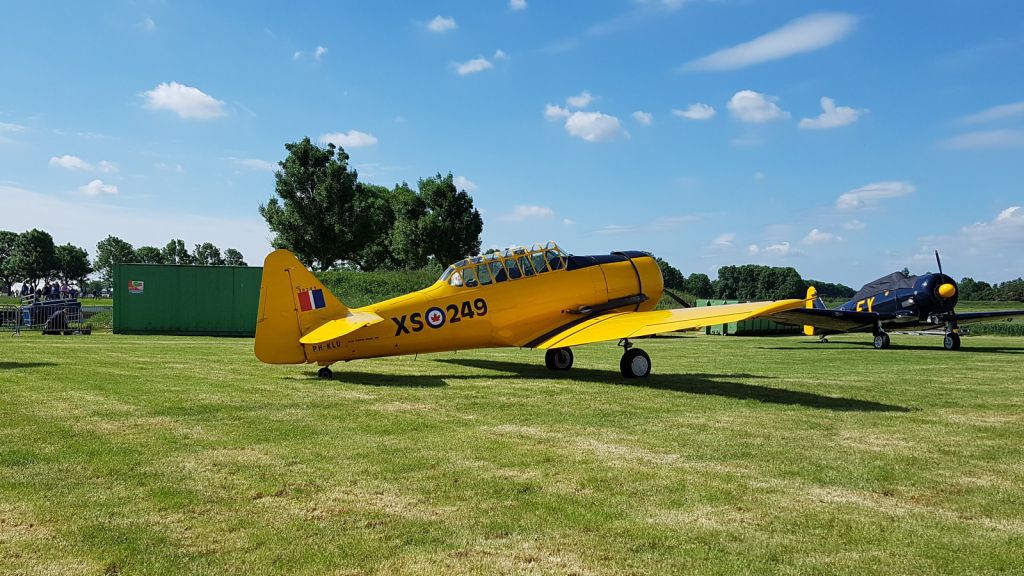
[938,261]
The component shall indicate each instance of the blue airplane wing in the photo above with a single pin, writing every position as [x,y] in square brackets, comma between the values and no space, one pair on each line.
[832,320]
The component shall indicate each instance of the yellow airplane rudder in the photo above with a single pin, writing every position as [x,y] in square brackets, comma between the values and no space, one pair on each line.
[293,302]
[812,298]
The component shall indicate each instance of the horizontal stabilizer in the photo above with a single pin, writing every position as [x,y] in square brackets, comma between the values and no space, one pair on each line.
[340,327]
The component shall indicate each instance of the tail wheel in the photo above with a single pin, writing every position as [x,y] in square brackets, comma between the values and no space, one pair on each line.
[558,359]
[635,363]
[325,373]
[951,341]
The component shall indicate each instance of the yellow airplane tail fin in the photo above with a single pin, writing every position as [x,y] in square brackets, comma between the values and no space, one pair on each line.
[810,302]
[293,303]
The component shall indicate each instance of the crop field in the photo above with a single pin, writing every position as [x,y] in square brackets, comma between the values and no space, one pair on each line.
[175,455]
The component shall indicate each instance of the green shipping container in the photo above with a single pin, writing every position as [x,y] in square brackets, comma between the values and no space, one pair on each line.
[186,300]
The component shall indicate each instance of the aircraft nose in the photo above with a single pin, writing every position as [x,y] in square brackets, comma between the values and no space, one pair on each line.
[947,290]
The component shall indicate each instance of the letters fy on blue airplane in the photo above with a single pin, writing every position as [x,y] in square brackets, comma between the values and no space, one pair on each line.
[894,303]
[539,297]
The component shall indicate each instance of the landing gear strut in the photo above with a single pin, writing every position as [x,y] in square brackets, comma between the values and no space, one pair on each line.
[635,362]
[558,359]
[324,373]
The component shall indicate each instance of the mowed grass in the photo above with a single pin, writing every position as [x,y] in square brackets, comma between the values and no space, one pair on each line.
[174,455]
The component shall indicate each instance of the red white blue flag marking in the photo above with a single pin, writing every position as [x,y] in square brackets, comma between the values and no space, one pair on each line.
[311,300]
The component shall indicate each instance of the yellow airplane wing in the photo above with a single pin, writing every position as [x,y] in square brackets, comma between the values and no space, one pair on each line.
[340,327]
[635,324]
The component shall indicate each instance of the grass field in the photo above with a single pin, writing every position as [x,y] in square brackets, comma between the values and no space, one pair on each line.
[173,455]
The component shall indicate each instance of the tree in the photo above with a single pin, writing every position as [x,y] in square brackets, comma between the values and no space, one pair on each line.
[8,273]
[149,255]
[72,263]
[233,257]
[109,251]
[672,277]
[206,254]
[699,285]
[33,256]
[450,227]
[315,217]
[176,253]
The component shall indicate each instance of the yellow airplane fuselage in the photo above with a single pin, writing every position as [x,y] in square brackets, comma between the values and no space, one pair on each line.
[443,317]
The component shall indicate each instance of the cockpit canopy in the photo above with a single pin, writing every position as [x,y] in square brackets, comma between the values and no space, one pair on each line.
[512,264]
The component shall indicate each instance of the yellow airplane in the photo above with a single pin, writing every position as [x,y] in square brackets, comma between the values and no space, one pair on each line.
[539,297]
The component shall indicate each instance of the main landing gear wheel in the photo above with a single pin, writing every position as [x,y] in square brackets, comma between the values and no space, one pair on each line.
[635,363]
[324,373]
[558,359]
[881,341]
[951,341]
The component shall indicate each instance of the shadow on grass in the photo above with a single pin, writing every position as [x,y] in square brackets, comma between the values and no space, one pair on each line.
[17,365]
[389,380]
[966,347]
[707,384]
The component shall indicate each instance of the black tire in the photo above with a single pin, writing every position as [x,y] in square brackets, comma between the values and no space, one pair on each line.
[325,373]
[635,363]
[951,341]
[881,341]
[558,359]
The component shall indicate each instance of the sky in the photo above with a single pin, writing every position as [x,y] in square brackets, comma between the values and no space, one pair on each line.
[847,139]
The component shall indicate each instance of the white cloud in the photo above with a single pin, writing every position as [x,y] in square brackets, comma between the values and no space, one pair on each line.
[985,139]
[146,24]
[759,176]
[499,54]
[581,100]
[517,4]
[69,162]
[320,51]
[554,112]
[473,66]
[777,249]
[816,236]
[185,101]
[724,240]
[750,106]
[1008,226]
[350,139]
[996,113]
[831,116]
[854,225]
[525,212]
[698,111]
[871,193]
[463,183]
[256,164]
[97,188]
[594,127]
[802,35]
[442,24]
[8,127]
[661,224]
[568,222]
[642,117]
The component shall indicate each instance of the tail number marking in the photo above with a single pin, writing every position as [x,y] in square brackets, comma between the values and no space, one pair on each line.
[436,317]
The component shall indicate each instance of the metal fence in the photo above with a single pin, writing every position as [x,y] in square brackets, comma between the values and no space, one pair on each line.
[60,316]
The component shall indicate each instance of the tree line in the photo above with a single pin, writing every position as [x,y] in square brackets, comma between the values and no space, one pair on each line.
[328,218]
[33,257]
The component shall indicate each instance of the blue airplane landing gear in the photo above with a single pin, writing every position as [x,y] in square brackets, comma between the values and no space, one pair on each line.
[881,341]
[951,341]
